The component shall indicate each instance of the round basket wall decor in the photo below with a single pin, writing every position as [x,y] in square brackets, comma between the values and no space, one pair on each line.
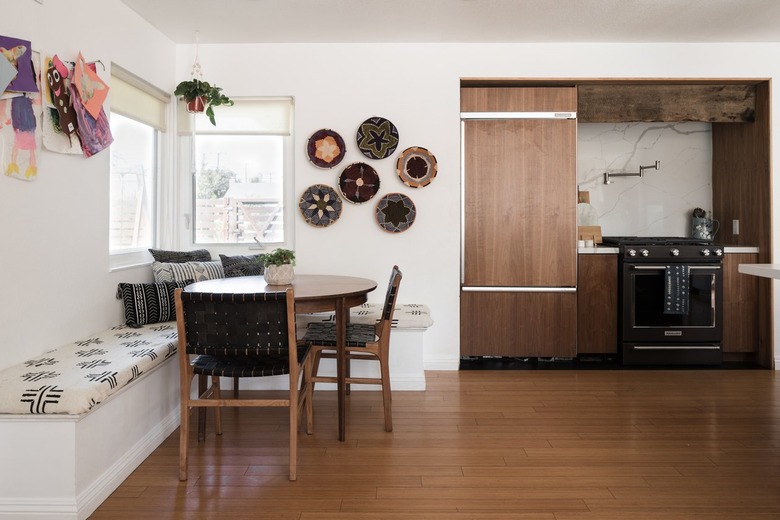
[417,167]
[320,205]
[359,182]
[325,148]
[377,138]
[395,212]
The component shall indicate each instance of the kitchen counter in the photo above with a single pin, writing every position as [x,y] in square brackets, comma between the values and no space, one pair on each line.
[762,270]
[600,250]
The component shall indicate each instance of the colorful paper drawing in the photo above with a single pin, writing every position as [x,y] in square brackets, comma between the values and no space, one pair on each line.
[19,55]
[20,127]
[95,133]
[92,90]
[7,73]
[60,129]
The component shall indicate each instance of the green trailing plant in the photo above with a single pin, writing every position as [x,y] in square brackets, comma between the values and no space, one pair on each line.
[278,257]
[212,95]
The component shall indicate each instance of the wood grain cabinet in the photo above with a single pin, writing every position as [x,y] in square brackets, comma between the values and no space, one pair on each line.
[519,258]
[597,304]
[740,305]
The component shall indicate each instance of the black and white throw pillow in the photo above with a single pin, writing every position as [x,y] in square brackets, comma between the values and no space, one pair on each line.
[178,257]
[149,302]
[251,265]
[176,272]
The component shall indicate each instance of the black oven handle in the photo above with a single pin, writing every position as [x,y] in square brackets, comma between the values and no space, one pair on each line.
[657,267]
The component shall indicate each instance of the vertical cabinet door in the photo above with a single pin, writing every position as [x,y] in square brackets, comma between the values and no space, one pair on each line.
[740,305]
[519,213]
[597,304]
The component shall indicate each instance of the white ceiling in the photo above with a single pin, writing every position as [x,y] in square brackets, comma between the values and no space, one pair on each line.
[418,21]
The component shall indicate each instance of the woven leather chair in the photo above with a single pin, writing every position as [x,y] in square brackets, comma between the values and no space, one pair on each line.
[363,342]
[240,335]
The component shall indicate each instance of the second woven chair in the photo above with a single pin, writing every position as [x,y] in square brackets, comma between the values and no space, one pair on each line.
[364,341]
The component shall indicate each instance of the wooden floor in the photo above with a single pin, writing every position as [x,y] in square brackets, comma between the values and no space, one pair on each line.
[492,445]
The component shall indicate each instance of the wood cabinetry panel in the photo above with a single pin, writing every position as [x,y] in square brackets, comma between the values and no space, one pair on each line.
[518,324]
[520,203]
[740,304]
[514,99]
[597,304]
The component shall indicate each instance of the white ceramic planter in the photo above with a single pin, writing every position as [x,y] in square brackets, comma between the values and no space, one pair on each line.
[279,274]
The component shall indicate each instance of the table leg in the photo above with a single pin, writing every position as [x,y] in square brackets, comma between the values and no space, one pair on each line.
[341,364]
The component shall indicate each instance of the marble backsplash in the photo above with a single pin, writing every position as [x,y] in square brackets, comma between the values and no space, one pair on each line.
[660,202]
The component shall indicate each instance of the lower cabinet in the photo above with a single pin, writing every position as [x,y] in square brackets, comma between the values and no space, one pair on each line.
[740,304]
[518,324]
[597,304]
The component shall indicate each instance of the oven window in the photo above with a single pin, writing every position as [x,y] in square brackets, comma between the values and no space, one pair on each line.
[648,301]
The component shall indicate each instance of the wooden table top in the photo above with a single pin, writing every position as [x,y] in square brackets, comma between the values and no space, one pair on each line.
[306,286]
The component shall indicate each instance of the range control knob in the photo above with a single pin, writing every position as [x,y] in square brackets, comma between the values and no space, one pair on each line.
[645,252]
[718,252]
[674,252]
[631,252]
[705,252]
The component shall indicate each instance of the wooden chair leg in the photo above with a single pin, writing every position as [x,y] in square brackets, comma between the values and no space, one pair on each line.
[308,394]
[387,398]
[202,386]
[293,411]
[184,429]
[348,373]
[217,410]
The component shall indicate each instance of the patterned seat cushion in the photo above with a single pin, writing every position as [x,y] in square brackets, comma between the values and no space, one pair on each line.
[177,272]
[75,377]
[358,335]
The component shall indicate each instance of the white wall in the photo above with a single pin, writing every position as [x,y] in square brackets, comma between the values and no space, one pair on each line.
[54,280]
[55,229]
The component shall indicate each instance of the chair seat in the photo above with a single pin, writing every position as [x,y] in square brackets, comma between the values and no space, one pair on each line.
[358,335]
[245,366]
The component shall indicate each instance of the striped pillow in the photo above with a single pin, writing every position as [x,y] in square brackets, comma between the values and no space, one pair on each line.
[198,271]
[148,302]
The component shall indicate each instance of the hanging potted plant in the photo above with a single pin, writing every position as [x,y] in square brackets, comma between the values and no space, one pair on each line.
[279,267]
[201,95]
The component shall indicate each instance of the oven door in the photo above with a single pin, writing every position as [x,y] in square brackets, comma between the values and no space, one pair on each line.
[644,319]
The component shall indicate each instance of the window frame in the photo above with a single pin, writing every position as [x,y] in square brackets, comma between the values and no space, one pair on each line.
[129,258]
[188,172]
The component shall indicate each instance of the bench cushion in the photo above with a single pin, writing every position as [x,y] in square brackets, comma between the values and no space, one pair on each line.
[405,316]
[75,377]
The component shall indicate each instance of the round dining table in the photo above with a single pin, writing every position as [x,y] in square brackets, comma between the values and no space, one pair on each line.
[313,293]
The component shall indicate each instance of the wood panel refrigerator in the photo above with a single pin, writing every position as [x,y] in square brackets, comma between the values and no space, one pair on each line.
[518,222]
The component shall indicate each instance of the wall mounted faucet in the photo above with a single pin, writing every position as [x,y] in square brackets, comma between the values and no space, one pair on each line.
[640,173]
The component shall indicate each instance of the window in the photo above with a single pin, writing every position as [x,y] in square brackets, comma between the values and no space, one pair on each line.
[138,117]
[242,174]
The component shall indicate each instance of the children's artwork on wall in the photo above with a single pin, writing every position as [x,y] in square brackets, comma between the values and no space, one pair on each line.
[95,133]
[59,127]
[20,134]
[91,89]
[19,54]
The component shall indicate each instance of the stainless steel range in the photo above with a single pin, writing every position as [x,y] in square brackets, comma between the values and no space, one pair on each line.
[670,300]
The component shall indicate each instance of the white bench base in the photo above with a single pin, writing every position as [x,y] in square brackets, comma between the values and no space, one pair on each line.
[64,466]
[406,367]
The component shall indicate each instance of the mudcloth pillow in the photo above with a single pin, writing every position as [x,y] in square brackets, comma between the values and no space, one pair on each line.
[198,271]
[178,257]
[242,265]
[149,302]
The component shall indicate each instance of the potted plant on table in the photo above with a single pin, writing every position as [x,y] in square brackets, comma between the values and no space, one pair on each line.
[279,266]
[201,95]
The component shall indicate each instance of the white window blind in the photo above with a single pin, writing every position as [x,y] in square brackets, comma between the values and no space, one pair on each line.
[248,116]
[134,98]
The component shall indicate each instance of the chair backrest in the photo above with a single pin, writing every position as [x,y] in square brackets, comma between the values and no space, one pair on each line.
[221,324]
[386,321]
